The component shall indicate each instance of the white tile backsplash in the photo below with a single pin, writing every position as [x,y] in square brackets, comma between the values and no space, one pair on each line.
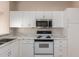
[57,32]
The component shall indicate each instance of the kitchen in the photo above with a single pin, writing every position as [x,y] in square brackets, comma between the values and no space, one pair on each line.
[39,29]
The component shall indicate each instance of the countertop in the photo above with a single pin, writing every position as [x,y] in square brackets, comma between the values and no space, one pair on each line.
[35,37]
[7,43]
[22,37]
[29,37]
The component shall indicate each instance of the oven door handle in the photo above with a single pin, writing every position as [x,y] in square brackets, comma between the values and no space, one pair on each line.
[36,40]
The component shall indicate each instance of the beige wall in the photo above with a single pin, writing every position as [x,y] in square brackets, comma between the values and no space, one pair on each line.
[4,17]
[40,6]
[75,4]
[13,5]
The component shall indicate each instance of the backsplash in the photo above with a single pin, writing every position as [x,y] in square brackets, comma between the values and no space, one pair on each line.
[56,32]
[23,31]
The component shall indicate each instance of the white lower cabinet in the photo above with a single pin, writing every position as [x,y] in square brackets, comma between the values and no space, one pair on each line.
[9,50]
[14,49]
[3,55]
[4,51]
[60,48]
[26,48]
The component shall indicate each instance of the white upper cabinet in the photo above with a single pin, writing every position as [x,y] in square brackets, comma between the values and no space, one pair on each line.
[58,19]
[21,19]
[48,15]
[28,19]
[16,19]
[4,17]
[72,15]
[43,15]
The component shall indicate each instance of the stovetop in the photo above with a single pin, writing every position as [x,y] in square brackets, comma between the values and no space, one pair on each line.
[43,36]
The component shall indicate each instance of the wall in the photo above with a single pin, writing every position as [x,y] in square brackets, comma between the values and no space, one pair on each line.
[4,17]
[40,5]
[75,4]
[13,5]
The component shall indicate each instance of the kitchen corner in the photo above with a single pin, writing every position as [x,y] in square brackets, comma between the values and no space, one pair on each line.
[38,31]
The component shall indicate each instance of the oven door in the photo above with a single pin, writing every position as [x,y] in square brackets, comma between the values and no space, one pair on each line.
[43,47]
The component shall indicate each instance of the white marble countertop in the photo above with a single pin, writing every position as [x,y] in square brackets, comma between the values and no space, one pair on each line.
[23,37]
[28,37]
[34,37]
[7,43]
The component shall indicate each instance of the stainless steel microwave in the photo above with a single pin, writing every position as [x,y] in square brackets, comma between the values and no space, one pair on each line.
[44,23]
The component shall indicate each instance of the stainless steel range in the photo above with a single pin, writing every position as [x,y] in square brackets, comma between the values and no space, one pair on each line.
[44,45]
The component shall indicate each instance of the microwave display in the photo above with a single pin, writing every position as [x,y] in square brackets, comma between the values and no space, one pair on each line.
[43,24]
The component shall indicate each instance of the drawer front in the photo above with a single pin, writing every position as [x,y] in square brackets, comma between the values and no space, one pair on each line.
[27,41]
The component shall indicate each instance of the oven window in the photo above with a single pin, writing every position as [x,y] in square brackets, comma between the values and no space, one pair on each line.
[43,45]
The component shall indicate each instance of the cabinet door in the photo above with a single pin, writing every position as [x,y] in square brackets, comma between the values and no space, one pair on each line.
[48,15]
[33,20]
[26,47]
[72,15]
[44,15]
[58,20]
[16,19]
[10,50]
[3,55]
[73,40]
[60,48]
[4,51]
[28,19]
[39,15]
[14,49]
[27,50]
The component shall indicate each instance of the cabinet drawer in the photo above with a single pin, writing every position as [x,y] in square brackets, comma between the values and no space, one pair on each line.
[62,43]
[27,41]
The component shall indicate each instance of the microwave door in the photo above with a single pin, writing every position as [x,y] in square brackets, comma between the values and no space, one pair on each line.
[41,23]
[45,24]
